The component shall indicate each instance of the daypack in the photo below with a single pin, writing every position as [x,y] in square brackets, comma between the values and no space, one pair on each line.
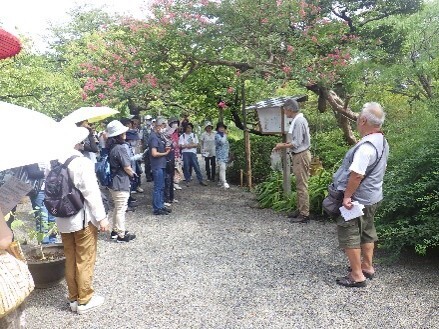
[103,171]
[62,199]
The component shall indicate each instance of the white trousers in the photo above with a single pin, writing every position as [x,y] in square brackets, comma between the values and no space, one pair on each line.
[222,172]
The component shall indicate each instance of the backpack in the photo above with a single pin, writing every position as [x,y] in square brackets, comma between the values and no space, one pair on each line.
[103,171]
[62,199]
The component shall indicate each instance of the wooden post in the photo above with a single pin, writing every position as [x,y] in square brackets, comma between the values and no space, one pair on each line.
[285,164]
[248,165]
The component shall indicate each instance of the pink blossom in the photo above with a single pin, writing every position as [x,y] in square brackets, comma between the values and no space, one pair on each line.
[290,48]
[230,90]
[286,69]
[101,96]
[279,3]
[264,20]
[314,39]
[222,104]
[84,96]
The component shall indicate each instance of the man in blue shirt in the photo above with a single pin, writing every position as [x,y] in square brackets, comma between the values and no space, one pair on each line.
[158,153]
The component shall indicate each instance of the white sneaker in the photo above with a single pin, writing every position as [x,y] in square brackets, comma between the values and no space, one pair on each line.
[139,189]
[74,306]
[226,185]
[167,204]
[177,187]
[175,201]
[94,302]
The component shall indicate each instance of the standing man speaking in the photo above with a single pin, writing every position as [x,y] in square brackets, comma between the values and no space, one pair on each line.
[301,158]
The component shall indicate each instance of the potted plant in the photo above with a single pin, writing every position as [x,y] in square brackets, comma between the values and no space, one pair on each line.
[46,262]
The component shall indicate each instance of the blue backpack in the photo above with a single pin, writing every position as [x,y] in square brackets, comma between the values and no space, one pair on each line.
[103,171]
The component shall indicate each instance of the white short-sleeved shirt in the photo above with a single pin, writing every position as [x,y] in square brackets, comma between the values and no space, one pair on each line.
[364,156]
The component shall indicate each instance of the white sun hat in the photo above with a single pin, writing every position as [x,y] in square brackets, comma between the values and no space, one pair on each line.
[116,128]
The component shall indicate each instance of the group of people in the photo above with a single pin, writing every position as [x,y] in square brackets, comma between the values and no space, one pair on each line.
[359,178]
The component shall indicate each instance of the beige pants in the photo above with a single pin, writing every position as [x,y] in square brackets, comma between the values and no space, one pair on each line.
[301,163]
[80,249]
[120,200]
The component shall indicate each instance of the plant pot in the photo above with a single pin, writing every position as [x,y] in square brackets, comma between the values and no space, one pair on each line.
[51,271]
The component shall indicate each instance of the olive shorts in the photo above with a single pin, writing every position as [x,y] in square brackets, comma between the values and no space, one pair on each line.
[355,232]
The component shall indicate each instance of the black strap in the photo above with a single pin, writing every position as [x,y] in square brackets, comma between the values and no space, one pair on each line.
[66,165]
[378,161]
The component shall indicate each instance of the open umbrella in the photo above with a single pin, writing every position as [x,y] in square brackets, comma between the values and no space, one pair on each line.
[9,45]
[29,136]
[92,114]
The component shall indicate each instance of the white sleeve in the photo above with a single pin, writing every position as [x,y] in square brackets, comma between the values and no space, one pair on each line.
[85,180]
[181,140]
[363,157]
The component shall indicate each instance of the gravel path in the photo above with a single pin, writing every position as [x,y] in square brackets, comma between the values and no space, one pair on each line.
[219,262]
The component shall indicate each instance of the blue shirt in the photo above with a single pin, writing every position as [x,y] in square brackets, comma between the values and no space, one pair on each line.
[155,141]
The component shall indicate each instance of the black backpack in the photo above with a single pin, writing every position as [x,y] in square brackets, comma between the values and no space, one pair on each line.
[62,199]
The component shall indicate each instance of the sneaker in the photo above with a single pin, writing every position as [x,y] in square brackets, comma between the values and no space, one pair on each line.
[226,185]
[160,213]
[114,234]
[133,192]
[300,219]
[139,189]
[74,306]
[177,187]
[167,204]
[132,200]
[94,302]
[130,209]
[127,238]
[168,210]
[203,183]
[175,201]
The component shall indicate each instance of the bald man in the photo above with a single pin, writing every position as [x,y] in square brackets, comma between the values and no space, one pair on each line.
[361,178]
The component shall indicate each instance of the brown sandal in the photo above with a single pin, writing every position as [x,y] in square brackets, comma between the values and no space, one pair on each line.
[346,281]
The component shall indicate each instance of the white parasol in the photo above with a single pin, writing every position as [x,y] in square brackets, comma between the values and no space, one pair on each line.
[92,114]
[29,136]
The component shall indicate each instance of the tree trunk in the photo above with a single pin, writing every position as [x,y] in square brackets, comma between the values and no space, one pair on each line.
[342,112]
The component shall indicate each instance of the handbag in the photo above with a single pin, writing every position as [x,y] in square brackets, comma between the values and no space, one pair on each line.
[16,282]
[333,201]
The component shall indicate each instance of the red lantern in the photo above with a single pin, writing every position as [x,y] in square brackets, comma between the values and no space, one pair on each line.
[9,45]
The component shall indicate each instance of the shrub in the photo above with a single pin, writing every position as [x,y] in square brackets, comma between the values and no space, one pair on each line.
[270,192]
[409,214]
[261,147]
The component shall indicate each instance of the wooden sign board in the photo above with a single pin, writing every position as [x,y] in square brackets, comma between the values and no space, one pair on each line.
[270,120]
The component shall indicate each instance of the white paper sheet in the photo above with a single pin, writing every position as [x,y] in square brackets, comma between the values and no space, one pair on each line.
[354,212]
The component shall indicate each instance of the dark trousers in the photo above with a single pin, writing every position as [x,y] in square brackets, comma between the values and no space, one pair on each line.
[169,182]
[148,172]
[210,167]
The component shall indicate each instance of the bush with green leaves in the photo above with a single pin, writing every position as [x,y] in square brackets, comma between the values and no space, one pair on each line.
[270,193]
[409,214]
[261,147]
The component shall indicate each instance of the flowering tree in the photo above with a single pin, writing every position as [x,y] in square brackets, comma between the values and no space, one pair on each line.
[183,45]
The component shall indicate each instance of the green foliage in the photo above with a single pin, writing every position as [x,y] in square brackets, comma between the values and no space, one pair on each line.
[408,215]
[330,147]
[261,147]
[270,193]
